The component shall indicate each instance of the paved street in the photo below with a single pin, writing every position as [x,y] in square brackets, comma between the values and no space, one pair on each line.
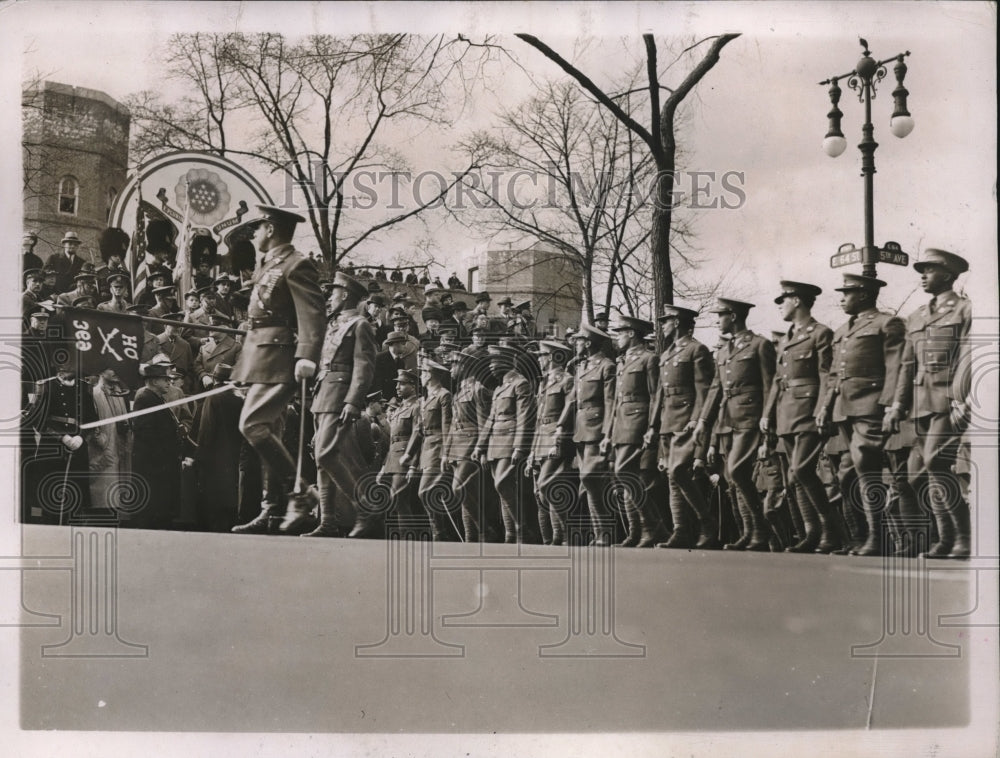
[262,634]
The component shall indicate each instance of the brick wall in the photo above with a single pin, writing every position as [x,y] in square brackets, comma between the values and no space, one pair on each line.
[78,132]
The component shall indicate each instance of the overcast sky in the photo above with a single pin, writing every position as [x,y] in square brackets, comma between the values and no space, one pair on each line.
[760,111]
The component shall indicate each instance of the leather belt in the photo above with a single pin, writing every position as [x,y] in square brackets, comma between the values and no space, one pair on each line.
[339,367]
[629,398]
[800,382]
[260,323]
[668,391]
[739,391]
[63,419]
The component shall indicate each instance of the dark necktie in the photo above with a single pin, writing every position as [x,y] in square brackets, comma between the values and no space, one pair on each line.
[932,306]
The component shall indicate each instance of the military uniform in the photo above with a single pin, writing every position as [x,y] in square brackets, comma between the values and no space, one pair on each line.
[803,362]
[286,318]
[686,371]
[470,411]
[635,386]
[223,349]
[508,429]
[864,373]
[426,447]
[403,418]
[346,372]
[555,483]
[745,370]
[936,375]
[589,415]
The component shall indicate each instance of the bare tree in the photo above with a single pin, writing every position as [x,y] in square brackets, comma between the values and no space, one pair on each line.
[659,137]
[317,110]
[562,172]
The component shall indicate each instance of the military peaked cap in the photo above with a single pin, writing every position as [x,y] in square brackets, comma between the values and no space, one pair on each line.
[797,289]
[955,264]
[859,282]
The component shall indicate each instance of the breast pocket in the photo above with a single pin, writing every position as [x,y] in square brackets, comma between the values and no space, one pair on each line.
[505,404]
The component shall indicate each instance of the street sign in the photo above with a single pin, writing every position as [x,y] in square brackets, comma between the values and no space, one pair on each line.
[848,254]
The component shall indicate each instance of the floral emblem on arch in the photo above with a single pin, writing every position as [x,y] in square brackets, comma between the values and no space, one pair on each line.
[208,194]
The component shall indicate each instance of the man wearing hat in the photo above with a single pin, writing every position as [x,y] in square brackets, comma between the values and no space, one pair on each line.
[744,372]
[28,258]
[635,463]
[935,388]
[86,286]
[376,315]
[589,414]
[218,348]
[156,277]
[505,442]
[113,245]
[156,454]
[280,351]
[60,405]
[374,416]
[804,356]
[425,451]
[552,448]
[34,280]
[177,350]
[396,354]
[223,289]
[118,291]
[524,322]
[166,302]
[218,456]
[346,372]
[396,473]
[863,383]
[431,316]
[402,322]
[67,264]
[470,409]
[505,305]
[686,370]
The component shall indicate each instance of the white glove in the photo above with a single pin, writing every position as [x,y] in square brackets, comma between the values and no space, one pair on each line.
[304,369]
[72,443]
[207,381]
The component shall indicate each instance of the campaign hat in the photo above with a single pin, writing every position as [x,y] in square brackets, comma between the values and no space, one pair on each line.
[123,278]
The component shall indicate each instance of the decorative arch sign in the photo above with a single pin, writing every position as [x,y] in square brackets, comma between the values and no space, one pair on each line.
[221,193]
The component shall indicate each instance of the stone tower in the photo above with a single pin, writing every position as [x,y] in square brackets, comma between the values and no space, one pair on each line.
[75,149]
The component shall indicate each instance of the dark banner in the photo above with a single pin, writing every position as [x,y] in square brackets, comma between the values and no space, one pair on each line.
[106,340]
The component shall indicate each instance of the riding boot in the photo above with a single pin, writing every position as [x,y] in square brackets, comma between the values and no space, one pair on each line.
[760,537]
[653,530]
[874,516]
[746,518]
[962,519]
[810,522]
[683,535]
[634,525]
[946,533]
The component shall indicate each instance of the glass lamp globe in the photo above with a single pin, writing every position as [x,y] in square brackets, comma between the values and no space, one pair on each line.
[901,125]
[834,146]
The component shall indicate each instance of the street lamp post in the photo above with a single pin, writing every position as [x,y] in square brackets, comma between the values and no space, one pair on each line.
[863,79]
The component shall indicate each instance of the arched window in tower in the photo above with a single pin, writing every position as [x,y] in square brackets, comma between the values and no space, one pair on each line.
[112,195]
[69,195]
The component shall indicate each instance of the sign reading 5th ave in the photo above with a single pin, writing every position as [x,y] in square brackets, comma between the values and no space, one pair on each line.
[890,253]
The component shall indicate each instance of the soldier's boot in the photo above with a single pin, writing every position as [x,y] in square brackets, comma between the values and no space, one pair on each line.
[760,535]
[558,527]
[683,535]
[709,527]
[510,530]
[367,526]
[874,517]
[469,526]
[634,525]
[946,534]
[962,519]
[266,522]
[745,516]
[545,527]
[299,517]
[328,526]
[653,529]
[832,537]
[811,524]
